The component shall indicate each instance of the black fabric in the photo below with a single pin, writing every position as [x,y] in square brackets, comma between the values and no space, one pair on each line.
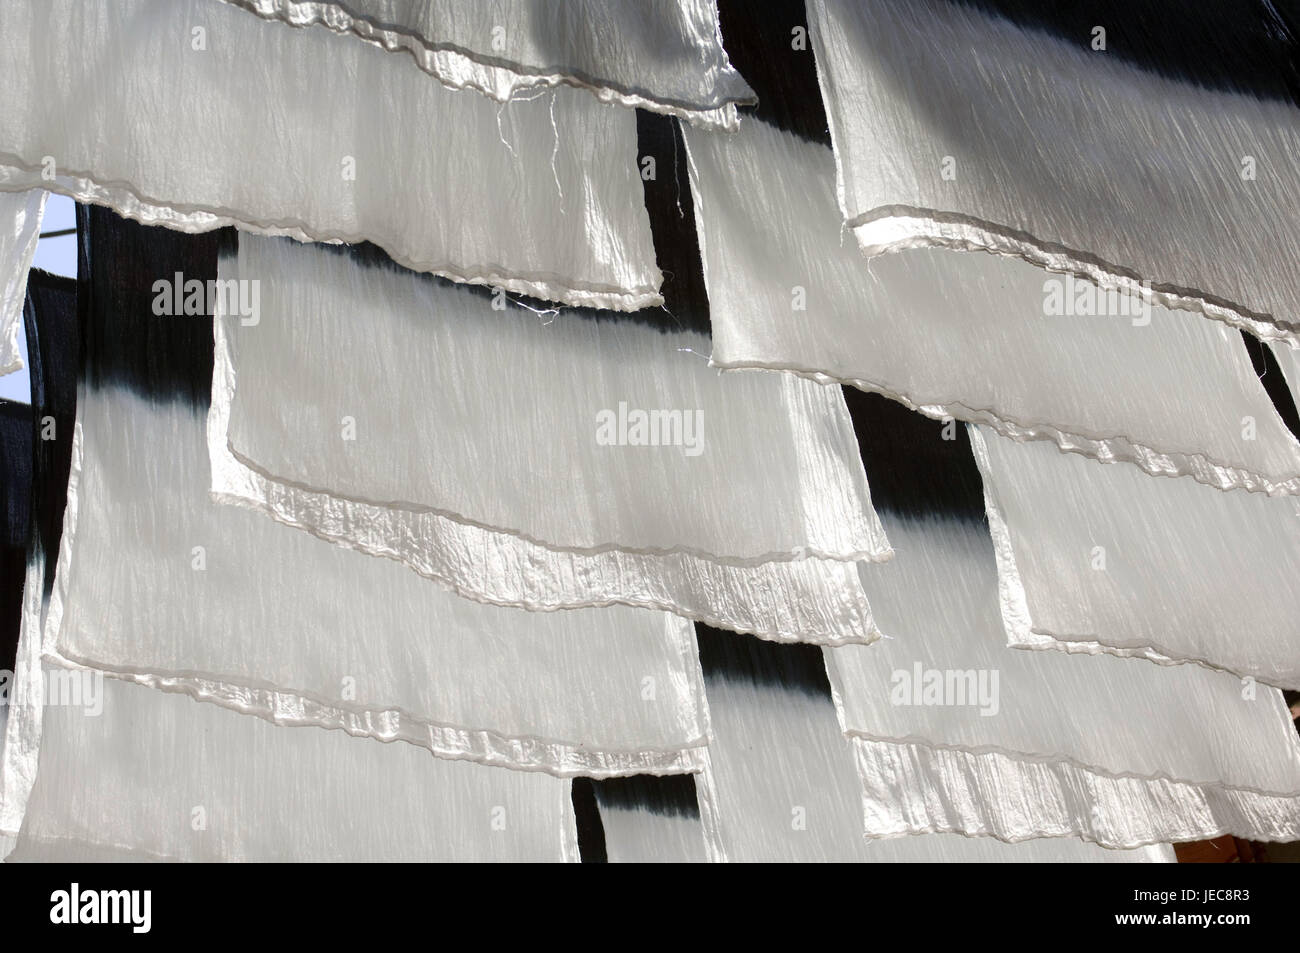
[672,795]
[911,469]
[1274,381]
[50,317]
[15,505]
[760,43]
[730,656]
[591,831]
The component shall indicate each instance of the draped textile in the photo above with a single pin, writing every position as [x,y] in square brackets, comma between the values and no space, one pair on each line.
[1106,559]
[194,115]
[20,226]
[662,55]
[981,338]
[741,501]
[955,125]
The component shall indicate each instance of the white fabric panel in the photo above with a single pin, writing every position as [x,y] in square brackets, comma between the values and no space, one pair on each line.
[1069,158]
[20,228]
[661,55]
[265,127]
[283,625]
[1184,572]
[1115,750]
[22,729]
[140,776]
[953,334]
[477,460]
[783,789]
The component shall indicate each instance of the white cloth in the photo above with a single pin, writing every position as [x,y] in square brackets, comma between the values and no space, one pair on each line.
[156,776]
[1115,750]
[311,134]
[1096,558]
[280,624]
[783,789]
[1071,158]
[961,335]
[661,55]
[20,228]
[479,459]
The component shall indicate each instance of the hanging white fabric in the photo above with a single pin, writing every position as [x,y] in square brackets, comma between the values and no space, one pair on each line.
[160,584]
[782,788]
[1094,558]
[955,126]
[974,337]
[533,461]
[140,774]
[661,55]
[956,732]
[20,227]
[297,132]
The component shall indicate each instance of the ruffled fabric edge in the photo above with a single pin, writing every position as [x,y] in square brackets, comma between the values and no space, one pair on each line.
[1018,621]
[1112,449]
[899,227]
[13,283]
[919,789]
[459,69]
[126,201]
[829,606]
[292,708]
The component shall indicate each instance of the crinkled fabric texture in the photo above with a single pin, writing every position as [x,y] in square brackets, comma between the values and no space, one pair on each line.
[20,228]
[129,782]
[1116,750]
[288,131]
[782,788]
[751,518]
[158,583]
[961,335]
[1096,558]
[1113,172]
[662,55]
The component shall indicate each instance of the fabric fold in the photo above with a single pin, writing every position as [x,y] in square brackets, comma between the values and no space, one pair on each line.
[616,468]
[20,228]
[155,776]
[322,156]
[160,585]
[980,338]
[1103,559]
[662,55]
[957,732]
[1175,189]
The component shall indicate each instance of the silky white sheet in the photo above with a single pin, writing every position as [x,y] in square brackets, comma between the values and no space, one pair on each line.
[156,776]
[961,335]
[20,228]
[1096,558]
[280,624]
[1116,750]
[1070,158]
[661,55]
[479,460]
[311,134]
[782,788]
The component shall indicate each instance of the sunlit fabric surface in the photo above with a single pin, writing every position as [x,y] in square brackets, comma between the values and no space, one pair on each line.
[651,820]
[962,335]
[663,55]
[955,126]
[20,227]
[290,131]
[1116,750]
[481,461]
[157,776]
[1095,558]
[782,786]
[159,583]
